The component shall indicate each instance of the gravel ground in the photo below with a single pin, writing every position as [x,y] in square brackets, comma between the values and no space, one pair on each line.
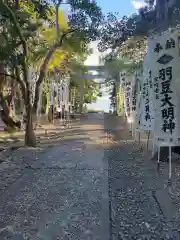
[142,206]
[60,192]
[95,184]
[14,163]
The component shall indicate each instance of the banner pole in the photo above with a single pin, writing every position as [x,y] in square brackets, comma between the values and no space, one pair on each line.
[170,163]
[158,162]
[149,132]
[139,137]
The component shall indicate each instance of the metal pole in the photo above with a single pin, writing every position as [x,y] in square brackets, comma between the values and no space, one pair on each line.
[139,138]
[158,163]
[149,132]
[170,163]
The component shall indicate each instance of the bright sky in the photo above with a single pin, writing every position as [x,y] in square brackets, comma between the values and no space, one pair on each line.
[123,7]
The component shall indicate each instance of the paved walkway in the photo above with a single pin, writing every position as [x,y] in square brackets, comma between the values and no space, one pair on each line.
[96,183]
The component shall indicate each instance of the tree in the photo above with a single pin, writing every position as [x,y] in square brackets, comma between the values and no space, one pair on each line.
[22,27]
[154,18]
[134,49]
[150,19]
[127,36]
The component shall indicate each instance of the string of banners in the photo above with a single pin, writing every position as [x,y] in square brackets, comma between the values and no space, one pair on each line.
[61,91]
[152,99]
[153,104]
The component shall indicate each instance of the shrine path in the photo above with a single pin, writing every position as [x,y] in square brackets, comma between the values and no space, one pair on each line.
[88,186]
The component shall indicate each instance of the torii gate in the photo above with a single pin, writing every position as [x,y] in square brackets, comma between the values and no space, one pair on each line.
[101,73]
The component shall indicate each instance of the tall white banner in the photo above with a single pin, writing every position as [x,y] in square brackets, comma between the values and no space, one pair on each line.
[147,116]
[137,110]
[122,78]
[166,76]
[135,91]
[59,95]
[40,97]
[128,99]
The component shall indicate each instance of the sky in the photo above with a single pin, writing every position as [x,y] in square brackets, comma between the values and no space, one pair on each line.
[123,7]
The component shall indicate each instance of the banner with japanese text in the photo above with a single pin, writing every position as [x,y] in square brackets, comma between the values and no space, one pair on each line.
[120,101]
[122,78]
[147,116]
[135,93]
[128,100]
[166,82]
[138,111]
[135,83]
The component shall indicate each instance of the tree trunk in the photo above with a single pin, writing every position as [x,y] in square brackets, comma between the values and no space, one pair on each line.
[5,102]
[51,113]
[30,137]
[5,114]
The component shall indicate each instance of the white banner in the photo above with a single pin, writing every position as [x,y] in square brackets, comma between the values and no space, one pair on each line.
[122,78]
[66,95]
[147,116]
[138,100]
[138,113]
[63,93]
[166,73]
[40,97]
[128,100]
[59,95]
[51,93]
[135,86]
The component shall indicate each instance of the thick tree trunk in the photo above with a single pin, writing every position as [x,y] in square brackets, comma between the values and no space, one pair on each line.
[5,103]
[30,137]
[51,114]
[5,113]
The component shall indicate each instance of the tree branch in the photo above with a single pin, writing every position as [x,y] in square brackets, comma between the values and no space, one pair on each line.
[8,75]
[44,66]
[21,83]
[22,39]
[17,26]
[50,53]
[17,78]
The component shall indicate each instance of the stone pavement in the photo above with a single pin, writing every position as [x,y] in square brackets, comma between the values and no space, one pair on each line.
[96,183]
